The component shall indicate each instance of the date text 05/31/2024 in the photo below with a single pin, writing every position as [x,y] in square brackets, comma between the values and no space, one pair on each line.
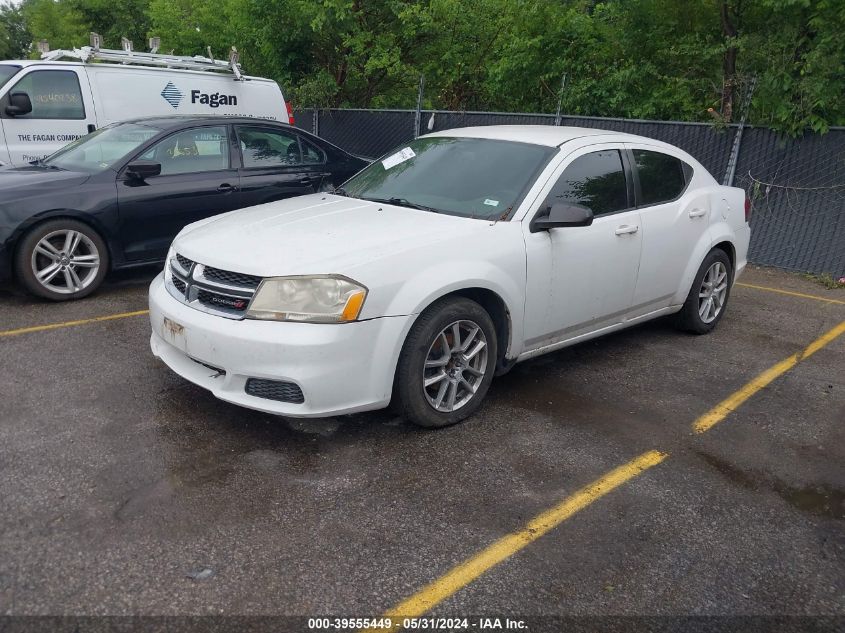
[411,624]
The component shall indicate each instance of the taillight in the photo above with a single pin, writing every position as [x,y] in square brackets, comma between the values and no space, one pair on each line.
[290,117]
[747,209]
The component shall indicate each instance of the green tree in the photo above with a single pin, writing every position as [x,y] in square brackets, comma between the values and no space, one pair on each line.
[14,34]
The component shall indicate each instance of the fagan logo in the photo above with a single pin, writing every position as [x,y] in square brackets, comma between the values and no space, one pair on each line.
[172,94]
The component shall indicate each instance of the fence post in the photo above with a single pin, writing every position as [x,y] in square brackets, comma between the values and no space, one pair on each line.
[418,113]
[733,158]
[560,98]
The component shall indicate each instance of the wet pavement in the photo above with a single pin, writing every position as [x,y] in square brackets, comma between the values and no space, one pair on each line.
[126,490]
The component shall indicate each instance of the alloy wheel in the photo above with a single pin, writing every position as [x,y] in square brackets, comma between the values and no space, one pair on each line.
[711,295]
[65,261]
[455,366]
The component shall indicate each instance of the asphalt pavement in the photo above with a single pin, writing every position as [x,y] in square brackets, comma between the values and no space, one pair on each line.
[125,490]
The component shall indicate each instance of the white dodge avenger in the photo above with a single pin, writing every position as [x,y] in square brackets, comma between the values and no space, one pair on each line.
[443,264]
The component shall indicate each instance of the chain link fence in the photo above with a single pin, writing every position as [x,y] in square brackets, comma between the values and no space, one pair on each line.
[797,186]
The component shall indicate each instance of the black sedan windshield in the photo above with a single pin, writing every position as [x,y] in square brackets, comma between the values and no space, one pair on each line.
[470,177]
[101,149]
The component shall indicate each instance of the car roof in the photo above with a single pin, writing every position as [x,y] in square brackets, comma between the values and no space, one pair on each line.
[172,121]
[548,135]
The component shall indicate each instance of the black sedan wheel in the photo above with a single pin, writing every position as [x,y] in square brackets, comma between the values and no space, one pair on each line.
[61,260]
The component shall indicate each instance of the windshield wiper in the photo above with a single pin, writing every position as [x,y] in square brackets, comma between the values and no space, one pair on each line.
[39,162]
[403,202]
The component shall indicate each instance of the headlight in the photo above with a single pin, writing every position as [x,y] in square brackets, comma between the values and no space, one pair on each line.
[312,299]
[171,253]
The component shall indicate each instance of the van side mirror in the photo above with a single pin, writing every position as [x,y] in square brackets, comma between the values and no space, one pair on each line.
[561,214]
[142,169]
[19,104]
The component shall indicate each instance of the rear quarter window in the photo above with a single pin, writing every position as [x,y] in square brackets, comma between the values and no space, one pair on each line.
[662,177]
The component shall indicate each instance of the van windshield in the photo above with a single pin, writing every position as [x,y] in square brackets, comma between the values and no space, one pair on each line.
[100,150]
[471,177]
[7,72]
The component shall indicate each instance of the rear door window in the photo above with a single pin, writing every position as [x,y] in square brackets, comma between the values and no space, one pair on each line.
[596,181]
[662,177]
[262,147]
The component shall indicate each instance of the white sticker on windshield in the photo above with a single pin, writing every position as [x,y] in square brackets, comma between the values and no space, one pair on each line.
[491,203]
[399,157]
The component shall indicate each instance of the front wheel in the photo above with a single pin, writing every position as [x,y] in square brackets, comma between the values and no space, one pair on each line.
[61,259]
[709,294]
[447,364]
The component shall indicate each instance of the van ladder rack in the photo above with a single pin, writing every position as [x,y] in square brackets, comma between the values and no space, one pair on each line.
[197,62]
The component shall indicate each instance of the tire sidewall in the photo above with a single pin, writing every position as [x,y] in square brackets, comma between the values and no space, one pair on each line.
[408,391]
[693,319]
[23,258]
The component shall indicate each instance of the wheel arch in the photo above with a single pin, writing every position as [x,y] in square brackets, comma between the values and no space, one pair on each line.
[496,307]
[14,240]
[729,250]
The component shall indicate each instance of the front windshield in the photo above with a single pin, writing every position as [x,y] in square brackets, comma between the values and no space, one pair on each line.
[470,177]
[101,149]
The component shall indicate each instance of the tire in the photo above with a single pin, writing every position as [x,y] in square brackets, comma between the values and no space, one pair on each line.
[460,369]
[45,268]
[693,317]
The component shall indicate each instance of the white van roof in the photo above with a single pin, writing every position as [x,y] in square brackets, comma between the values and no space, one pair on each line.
[23,63]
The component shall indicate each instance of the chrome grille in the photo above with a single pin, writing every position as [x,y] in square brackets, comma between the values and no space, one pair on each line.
[184,262]
[180,285]
[191,283]
[274,390]
[228,277]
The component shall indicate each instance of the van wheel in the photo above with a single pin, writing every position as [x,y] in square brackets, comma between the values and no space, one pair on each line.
[708,296]
[446,365]
[61,260]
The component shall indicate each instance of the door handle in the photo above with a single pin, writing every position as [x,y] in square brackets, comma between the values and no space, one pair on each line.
[226,188]
[627,228]
[697,213]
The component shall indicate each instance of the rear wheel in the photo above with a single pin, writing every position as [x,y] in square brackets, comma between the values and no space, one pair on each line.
[709,294]
[447,364]
[61,260]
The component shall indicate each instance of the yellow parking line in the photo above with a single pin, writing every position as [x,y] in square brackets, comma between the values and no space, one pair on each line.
[56,326]
[790,293]
[467,571]
[736,399]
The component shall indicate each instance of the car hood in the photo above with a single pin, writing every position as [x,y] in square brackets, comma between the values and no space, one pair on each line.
[316,234]
[19,179]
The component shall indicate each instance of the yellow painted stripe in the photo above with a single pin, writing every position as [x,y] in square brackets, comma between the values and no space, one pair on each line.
[56,326]
[790,293]
[467,571]
[736,399]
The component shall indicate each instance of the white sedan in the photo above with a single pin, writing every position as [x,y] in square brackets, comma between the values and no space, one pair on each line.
[442,265]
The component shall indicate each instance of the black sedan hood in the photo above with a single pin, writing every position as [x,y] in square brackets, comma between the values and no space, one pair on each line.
[16,181]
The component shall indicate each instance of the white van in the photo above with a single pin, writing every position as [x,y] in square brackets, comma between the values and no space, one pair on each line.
[47,103]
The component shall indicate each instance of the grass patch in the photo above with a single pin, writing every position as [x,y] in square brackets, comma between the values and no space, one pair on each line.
[827,280]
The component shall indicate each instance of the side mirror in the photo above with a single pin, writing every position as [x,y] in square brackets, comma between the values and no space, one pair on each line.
[19,104]
[561,214]
[142,169]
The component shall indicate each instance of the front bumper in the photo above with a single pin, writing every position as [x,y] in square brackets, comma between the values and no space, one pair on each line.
[340,368]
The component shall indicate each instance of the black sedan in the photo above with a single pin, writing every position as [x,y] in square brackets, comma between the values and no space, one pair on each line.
[117,197]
